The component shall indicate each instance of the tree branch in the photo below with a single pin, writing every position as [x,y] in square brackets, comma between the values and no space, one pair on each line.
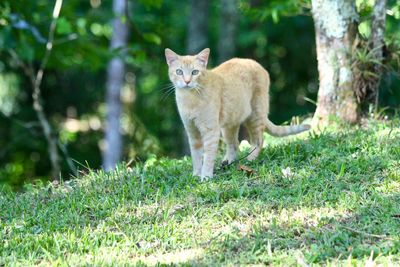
[366,234]
[37,97]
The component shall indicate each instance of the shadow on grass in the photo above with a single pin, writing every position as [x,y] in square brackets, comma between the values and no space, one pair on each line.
[326,172]
[345,172]
[353,235]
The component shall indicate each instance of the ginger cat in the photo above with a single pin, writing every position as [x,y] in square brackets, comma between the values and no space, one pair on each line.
[220,100]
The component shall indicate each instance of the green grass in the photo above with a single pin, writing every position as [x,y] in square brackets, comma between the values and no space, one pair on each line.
[337,202]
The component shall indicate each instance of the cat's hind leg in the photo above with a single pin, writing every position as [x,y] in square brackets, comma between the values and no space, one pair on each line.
[255,127]
[231,139]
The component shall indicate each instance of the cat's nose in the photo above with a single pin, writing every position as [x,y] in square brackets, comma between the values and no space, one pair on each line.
[187,81]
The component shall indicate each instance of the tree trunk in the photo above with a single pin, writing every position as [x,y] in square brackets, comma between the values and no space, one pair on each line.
[227,29]
[115,80]
[335,27]
[378,34]
[197,38]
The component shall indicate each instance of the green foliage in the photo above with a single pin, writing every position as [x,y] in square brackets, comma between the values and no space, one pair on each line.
[8,94]
[364,58]
[275,9]
[278,34]
[326,199]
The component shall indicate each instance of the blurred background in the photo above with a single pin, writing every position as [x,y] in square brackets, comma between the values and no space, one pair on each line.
[278,34]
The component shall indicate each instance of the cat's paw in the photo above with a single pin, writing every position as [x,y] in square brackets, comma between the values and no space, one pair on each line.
[196,173]
[224,163]
[229,157]
[206,177]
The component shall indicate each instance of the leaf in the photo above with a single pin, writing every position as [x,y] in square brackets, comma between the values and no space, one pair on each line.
[6,38]
[365,29]
[25,51]
[63,26]
[342,170]
[152,38]
[151,3]
[287,172]
[275,16]
[249,171]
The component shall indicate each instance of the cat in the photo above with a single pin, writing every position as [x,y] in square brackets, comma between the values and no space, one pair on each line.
[211,102]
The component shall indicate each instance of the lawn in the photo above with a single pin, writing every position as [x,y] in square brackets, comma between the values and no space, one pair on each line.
[331,198]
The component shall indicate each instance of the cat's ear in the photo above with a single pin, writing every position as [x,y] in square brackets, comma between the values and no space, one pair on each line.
[203,56]
[170,56]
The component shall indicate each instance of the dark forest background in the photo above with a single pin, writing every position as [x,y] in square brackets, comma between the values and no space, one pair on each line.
[278,34]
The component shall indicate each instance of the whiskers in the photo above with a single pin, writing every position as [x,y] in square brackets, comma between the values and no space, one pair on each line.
[168,90]
[199,89]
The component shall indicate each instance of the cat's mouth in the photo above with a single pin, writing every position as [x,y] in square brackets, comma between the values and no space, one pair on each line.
[187,87]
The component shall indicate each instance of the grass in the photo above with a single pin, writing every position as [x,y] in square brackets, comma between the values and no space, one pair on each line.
[321,199]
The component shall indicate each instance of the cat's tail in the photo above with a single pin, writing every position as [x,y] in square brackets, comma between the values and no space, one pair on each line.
[276,130]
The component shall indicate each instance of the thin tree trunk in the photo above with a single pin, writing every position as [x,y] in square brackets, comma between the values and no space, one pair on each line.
[197,38]
[335,27]
[227,29]
[115,80]
[378,34]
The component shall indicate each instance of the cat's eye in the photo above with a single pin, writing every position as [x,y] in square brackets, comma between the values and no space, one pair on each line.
[179,72]
[195,72]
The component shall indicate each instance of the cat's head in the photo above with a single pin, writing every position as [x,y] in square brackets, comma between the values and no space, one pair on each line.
[184,71]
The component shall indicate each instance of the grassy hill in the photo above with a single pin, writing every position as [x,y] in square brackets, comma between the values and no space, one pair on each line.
[328,199]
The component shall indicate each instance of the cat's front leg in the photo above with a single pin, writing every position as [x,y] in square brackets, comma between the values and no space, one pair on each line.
[210,147]
[196,148]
